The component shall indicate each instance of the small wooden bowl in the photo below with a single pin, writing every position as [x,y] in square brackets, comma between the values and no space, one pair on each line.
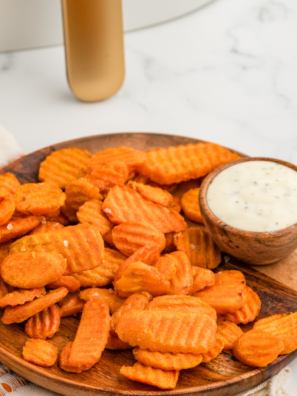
[257,248]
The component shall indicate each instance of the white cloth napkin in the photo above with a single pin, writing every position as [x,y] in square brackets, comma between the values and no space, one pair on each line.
[13,384]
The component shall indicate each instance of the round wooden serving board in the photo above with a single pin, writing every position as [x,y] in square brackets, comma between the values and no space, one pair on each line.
[221,377]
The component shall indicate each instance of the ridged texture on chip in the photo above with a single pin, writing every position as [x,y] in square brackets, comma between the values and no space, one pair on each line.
[148,254]
[106,296]
[131,157]
[282,326]
[44,324]
[181,304]
[64,361]
[46,226]
[227,295]
[91,213]
[109,175]
[63,166]
[125,205]
[104,273]
[67,281]
[40,352]
[20,313]
[164,331]
[71,305]
[213,352]
[130,237]
[7,208]
[8,184]
[167,361]
[43,268]
[92,334]
[137,301]
[154,194]
[257,349]
[18,226]
[228,332]
[20,297]
[249,311]
[38,198]
[151,376]
[180,275]
[190,205]
[199,247]
[81,245]
[141,277]
[77,193]
[202,278]
[181,163]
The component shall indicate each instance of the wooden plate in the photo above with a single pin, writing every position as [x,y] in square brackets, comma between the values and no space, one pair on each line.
[223,376]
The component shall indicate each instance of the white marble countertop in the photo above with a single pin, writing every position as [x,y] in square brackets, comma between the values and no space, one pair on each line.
[225,74]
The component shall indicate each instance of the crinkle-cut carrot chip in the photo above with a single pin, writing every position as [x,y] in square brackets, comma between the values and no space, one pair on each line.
[170,246]
[8,184]
[31,269]
[190,205]
[132,158]
[20,313]
[154,194]
[92,334]
[176,164]
[104,273]
[71,305]
[202,278]
[148,375]
[81,245]
[130,237]
[167,361]
[175,205]
[181,304]
[145,180]
[213,352]
[46,226]
[38,199]
[227,295]
[91,213]
[18,226]
[136,301]
[67,281]
[199,247]
[165,331]
[125,205]
[64,361]
[106,296]
[107,237]
[228,332]
[108,175]
[77,193]
[63,166]
[115,344]
[141,277]
[21,296]
[249,311]
[7,208]
[40,352]
[257,349]
[147,255]
[282,326]
[44,324]
[180,268]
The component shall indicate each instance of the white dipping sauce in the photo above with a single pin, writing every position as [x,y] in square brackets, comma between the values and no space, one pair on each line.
[255,196]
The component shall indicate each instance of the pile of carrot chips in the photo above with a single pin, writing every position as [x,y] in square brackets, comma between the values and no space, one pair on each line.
[118,240]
